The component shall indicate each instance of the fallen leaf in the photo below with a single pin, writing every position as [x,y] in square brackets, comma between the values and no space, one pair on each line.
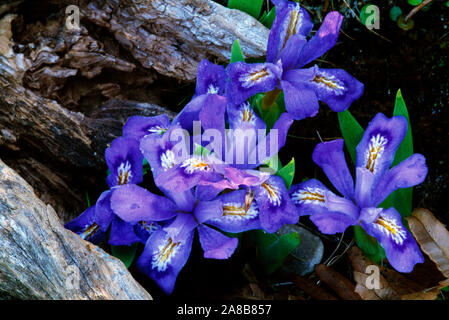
[432,237]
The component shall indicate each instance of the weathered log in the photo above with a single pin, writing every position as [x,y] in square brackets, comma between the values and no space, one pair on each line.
[40,259]
[173,36]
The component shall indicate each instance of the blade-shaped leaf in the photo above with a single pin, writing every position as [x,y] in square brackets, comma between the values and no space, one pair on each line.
[402,198]
[236,52]
[125,253]
[287,173]
[268,19]
[351,130]
[274,255]
[251,7]
[369,245]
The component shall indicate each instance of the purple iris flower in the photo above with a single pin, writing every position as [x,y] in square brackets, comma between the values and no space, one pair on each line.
[209,94]
[168,249]
[288,51]
[124,161]
[246,146]
[375,180]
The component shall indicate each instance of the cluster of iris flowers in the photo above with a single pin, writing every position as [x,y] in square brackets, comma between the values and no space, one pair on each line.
[231,191]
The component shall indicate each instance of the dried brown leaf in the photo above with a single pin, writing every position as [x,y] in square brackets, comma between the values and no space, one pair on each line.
[432,236]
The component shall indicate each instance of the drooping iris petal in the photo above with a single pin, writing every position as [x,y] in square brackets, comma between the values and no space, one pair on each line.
[122,233]
[210,78]
[187,174]
[243,113]
[239,212]
[379,143]
[311,197]
[213,113]
[323,40]
[181,227]
[248,79]
[364,182]
[137,127]
[191,112]
[331,158]
[275,206]
[335,87]
[290,20]
[103,211]
[245,177]
[133,204]
[124,160]
[84,225]
[300,101]
[184,200]
[215,244]
[280,3]
[332,222]
[144,229]
[274,140]
[205,192]
[162,259]
[291,52]
[401,249]
[410,172]
[207,210]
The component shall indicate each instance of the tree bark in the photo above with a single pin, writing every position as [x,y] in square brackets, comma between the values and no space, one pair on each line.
[40,259]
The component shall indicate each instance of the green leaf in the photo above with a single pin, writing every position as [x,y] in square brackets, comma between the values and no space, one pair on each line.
[414,2]
[201,151]
[273,255]
[87,199]
[125,253]
[369,245]
[145,166]
[351,130]
[395,12]
[274,164]
[401,199]
[287,173]
[236,52]
[252,7]
[268,19]
[272,115]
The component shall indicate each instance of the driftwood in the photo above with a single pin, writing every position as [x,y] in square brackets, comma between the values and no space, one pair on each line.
[42,260]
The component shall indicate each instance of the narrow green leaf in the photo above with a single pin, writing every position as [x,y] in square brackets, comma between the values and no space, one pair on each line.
[268,19]
[145,166]
[236,52]
[351,130]
[252,7]
[287,173]
[369,245]
[274,163]
[87,199]
[125,253]
[201,151]
[402,198]
[274,255]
